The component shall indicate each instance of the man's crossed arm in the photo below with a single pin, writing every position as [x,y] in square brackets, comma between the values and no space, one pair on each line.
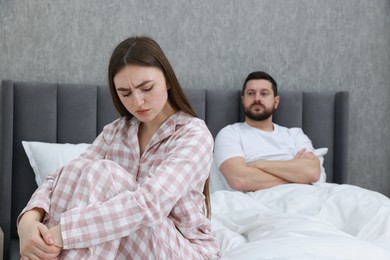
[262,174]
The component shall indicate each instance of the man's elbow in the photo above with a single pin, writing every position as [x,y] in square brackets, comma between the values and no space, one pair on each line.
[244,184]
[315,173]
[240,183]
[314,177]
[310,174]
[237,183]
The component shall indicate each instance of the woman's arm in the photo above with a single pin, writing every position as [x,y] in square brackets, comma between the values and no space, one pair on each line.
[35,238]
[36,241]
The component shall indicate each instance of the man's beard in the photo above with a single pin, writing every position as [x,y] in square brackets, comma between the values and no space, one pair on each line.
[265,114]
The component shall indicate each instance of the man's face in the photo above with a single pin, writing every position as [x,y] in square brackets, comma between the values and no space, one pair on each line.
[258,101]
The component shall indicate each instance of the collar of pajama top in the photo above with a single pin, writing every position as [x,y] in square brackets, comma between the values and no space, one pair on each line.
[124,147]
[167,129]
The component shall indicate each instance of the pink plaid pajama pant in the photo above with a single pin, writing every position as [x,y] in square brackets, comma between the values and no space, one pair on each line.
[84,183]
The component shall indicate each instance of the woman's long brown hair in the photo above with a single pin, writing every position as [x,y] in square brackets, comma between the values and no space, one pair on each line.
[144,51]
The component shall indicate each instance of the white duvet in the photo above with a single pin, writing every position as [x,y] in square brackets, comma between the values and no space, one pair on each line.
[298,221]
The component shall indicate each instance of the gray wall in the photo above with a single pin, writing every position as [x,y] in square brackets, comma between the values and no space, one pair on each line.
[305,44]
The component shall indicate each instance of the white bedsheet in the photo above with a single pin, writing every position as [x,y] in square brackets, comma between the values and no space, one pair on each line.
[297,221]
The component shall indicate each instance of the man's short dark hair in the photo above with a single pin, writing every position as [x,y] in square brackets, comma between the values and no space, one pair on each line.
[261,75]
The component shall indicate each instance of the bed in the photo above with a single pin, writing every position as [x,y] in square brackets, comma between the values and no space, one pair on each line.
[278,223]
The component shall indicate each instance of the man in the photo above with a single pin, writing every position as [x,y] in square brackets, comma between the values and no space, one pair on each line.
[259,154]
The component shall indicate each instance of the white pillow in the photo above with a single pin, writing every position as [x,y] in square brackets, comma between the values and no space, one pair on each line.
[320,153]
[46,158]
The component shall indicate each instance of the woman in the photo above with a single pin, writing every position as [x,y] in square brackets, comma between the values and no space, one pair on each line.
[140,191]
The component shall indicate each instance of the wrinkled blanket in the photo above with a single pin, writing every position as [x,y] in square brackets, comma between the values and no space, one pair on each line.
[298,221]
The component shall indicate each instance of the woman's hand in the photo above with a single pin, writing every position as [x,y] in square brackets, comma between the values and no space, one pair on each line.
[56,234]
[36,240]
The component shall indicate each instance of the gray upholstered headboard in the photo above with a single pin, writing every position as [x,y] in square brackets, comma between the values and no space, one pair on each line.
[74,113]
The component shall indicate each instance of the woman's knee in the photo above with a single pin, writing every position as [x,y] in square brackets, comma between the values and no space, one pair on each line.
[108,176]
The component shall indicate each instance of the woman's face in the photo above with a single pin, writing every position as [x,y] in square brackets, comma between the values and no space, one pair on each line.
[143,92]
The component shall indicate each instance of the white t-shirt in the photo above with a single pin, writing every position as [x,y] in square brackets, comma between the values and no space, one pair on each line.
[241,139]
